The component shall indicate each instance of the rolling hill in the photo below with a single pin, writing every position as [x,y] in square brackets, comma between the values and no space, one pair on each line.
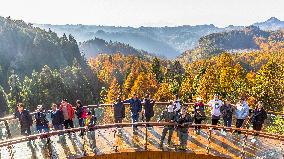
[248,39]
[167,41]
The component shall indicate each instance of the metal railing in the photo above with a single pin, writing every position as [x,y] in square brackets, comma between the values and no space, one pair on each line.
[146,137]
[127,104]
[8,126]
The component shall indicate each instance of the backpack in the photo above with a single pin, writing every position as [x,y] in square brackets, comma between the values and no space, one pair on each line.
[84,113]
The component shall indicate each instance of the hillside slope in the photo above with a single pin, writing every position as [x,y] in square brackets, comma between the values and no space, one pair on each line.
[24,48]
[248,39]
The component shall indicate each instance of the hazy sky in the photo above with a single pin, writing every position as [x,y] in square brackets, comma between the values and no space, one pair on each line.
[143,12]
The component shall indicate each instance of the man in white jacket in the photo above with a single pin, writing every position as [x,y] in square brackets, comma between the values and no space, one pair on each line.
[177,104]
[215,104]
[242,112]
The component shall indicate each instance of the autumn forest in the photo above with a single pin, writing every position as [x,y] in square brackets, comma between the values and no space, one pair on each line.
[39,67]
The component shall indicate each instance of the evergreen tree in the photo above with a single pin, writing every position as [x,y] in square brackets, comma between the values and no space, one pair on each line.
[3,102]
[156,69]
[14,95]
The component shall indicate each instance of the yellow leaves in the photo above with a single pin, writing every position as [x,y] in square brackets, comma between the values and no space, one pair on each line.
[227,76]
[145,83]
[164,93]
[128,83]
[208,84]
[186,88]
[225,60]
[230,75]
[113,92]
[269,86]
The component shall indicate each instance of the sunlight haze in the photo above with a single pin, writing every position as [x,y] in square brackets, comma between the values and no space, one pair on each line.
[143,12]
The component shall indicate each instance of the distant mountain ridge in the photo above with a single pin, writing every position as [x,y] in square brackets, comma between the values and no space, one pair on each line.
[167,41]
[271,24]
[96,46]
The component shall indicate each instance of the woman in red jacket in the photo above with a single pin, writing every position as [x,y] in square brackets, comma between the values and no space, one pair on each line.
[68,113]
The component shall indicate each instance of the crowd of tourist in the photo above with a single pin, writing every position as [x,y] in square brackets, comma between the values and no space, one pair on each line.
[62,116]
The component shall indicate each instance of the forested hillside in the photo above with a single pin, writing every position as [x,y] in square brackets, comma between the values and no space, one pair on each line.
[256,75]
[98,46]
[24,48]
[38,67]
[248,39]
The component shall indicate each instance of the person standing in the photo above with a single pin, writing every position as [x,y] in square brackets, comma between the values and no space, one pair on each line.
[168,115]
[25,119]
[148,107]
[90,123]
[81,114]
[199,113]
[177,104]
[135,108]
[242,112]
[215,104]
[41,120]
[57,118]
[258,118]
[118,111]
[68,113]
[183,121]
[227,111]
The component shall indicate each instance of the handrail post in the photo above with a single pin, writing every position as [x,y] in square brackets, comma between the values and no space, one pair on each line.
[209,140]
[282,147]
[244,145]
[114,137]
[146,136]
[84,143]
[9,136]
[10,150]
[48,142]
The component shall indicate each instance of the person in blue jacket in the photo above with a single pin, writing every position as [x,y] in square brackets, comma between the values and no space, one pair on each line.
[135,108]
[242,112]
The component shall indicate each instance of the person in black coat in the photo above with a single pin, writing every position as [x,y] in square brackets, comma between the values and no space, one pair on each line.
[199,113]
[57,118]
[258,118]
[184,119]
[41,120]
[81,115]
[118,111]
[25,119]
[148,108]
